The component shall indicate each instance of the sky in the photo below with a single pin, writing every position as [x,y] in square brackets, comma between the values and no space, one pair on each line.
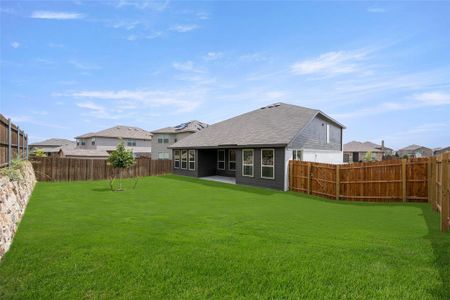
[380,68]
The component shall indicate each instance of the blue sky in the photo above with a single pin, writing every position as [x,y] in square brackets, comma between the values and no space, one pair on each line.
[381,68]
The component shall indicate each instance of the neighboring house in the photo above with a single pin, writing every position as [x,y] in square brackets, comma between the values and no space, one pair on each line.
[165,137]
[84,153]
[355,151]
[136,139]
[51,147]
[255,148]
[441,150]
[415,151]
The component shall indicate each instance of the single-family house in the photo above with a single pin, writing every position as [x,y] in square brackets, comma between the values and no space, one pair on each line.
[100,144]
[165,137]
[254,148]
[415,151]
[51,147]
[355,151]
[441,150]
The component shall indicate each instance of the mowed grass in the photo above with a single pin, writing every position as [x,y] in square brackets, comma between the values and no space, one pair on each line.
[176,237]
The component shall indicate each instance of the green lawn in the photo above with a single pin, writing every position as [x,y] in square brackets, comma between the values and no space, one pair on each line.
[176,237]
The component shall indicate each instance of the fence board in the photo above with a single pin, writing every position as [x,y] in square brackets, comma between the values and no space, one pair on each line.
[70,169]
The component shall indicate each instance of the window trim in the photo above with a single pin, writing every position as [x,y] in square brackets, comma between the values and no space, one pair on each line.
[189,160]
[296,155]
[175,160]
[230,161]
[273,163]
[219,161]
[253,163]
[185,168]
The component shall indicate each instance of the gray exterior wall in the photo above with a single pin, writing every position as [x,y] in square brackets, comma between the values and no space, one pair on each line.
[314,136]
[256,180]
[110,142]
[162,148]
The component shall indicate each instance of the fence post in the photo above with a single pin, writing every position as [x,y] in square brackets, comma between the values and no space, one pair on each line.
[18,142]
[445,195]
[23,144]
[291,174]
[404,190]
[429,179]
[308,183]
[9,142]
[338,183]
[433,183]
[27,146]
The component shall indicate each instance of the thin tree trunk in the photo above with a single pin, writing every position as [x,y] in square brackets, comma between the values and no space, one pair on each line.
[120,180]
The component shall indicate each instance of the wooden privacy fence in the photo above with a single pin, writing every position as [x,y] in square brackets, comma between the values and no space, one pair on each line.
[407,180]
[69,169]
[439,191]
[13,142]
[391,180]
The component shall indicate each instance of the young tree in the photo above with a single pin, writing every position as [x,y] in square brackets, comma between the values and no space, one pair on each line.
[39,153]
[121,159]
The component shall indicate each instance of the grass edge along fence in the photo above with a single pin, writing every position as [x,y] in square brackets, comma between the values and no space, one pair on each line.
[13,142]
[406,180]
[74,169]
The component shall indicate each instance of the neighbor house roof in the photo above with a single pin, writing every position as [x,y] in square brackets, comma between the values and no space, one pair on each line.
[412,148]
[120,131]
[276,124]
[191,126]
[355,146]
[54,142]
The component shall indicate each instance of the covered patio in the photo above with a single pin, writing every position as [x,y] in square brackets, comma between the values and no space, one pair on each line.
[218,178]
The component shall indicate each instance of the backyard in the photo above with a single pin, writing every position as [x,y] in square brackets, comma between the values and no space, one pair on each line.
[178,237]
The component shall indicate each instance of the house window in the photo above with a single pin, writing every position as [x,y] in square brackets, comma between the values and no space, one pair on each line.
[163,139]
[191,160]
[83,142]
[163,155]
[297,155]
[346,157]
[232,160]
[131,143]
[184,159]
[221,159]
[93,141]
[328,133]
[247,162]
[176,157]
[78,142]
[267,163]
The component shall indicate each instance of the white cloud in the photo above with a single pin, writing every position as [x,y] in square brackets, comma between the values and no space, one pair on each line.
[187,66]
[156,5]
[178,101]
[253,57]
[203,15]
[330,64]
[90,105]
[15,45]
[184,27]
[83,66]
[213,56]
[376,10]
[30,120]
[433,98]
[56,15]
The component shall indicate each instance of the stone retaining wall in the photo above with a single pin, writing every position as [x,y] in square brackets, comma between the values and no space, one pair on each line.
[14,196]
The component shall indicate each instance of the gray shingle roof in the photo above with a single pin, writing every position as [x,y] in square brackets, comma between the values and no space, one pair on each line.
[55,142]
[120,131]
[191,126]
[275,124]
[411,148]
[355,146]
[85,152]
